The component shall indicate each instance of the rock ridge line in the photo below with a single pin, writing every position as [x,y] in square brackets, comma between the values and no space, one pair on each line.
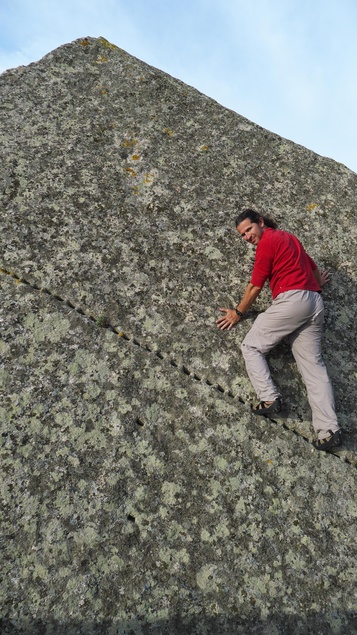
[102,322]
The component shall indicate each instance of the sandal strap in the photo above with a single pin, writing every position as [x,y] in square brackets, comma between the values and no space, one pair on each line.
[334,440]
[330,435]
[263,404]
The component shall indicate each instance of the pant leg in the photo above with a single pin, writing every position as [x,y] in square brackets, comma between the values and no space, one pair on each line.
[306,348]
[287,313]
[254,348]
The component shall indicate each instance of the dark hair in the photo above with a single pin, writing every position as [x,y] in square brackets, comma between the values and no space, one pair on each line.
[254,217]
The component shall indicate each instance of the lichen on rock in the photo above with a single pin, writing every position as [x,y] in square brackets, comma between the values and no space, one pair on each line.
[138,493]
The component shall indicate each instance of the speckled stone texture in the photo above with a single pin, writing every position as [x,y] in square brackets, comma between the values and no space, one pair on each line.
[139,495]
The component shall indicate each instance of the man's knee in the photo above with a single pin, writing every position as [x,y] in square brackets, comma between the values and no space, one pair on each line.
[246,349]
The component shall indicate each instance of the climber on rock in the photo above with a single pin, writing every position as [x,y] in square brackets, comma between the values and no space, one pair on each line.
[297,310]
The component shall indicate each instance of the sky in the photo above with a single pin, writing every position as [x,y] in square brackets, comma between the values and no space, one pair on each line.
[288,65]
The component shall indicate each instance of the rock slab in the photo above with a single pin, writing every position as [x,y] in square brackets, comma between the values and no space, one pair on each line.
[139,495]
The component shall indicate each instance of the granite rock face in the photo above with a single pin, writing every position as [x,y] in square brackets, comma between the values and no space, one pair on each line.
[139,495]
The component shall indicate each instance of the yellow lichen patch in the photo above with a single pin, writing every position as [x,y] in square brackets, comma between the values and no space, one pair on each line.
[136,189]
[311,206]
[103,91]
[204,148]
[149,177]
[84,43]
[135,157]
[102,59]
[131,171]
[108,44]
[168,132]
[127,143]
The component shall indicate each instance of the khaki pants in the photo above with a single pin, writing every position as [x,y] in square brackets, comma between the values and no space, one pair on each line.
[299,314]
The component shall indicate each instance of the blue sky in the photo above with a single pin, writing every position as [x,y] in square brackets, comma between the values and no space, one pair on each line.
[288,65]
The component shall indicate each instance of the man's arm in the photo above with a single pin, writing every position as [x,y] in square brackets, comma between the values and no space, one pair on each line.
[231,318]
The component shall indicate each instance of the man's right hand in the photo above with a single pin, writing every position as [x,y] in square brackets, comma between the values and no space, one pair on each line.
[229,320]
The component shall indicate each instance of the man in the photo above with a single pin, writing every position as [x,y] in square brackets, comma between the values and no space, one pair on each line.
[297,310]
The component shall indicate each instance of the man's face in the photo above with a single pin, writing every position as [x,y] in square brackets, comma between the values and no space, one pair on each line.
[251,232]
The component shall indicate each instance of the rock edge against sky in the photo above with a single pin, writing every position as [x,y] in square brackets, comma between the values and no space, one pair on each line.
[139,494]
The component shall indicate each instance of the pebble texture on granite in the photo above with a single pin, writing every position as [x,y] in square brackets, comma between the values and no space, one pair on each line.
[138,494]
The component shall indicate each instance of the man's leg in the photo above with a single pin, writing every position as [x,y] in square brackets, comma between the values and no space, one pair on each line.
[306,348]
[255,346]
[286,314]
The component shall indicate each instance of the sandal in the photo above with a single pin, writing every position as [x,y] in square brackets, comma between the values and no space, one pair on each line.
[264,408]
[334,440]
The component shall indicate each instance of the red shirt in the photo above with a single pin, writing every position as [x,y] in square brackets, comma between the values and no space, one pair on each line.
[281,258]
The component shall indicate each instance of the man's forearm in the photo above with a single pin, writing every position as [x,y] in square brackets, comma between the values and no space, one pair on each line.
[250,294]
[231,318]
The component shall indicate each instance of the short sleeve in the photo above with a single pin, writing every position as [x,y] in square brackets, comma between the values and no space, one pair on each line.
[311,261]
[262,265]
